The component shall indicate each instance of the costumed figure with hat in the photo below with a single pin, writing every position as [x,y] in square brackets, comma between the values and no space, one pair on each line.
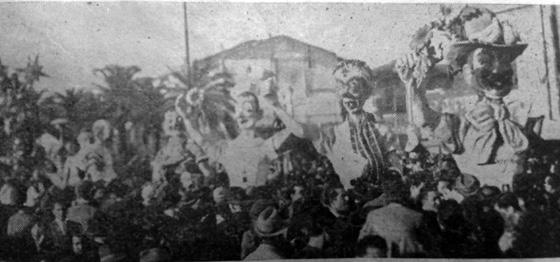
[247,157]
[490,138]
[361,146]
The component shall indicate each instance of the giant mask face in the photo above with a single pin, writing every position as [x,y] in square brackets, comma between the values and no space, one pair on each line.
[490,71]
[353,94]
[247,111]
[354,83]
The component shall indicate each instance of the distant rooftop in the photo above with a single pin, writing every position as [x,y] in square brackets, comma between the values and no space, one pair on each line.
[262,49]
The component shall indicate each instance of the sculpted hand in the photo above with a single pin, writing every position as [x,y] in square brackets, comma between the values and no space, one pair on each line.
[405,67]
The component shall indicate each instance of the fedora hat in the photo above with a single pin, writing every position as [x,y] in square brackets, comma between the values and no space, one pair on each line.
[480,28]
[467,185]
[269,223]
[154,255]
[258,206]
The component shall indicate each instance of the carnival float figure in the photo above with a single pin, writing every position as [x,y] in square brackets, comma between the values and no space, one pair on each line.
[488,140]
[247,157]
[361,146]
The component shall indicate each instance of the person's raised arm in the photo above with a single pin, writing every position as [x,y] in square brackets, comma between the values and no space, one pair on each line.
[201,161]
[292,126]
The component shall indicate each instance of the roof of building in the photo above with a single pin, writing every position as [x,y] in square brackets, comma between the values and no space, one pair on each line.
[262,49]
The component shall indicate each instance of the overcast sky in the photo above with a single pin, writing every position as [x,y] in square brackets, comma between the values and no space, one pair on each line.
[73,38]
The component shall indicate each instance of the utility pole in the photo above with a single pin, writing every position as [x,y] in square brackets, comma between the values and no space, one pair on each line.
[555,43]
[545,56]
[187,54]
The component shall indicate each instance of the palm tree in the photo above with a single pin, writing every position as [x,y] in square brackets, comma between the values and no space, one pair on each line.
[209,104]
[80,107]
[19,108]
[132,99]
[32,72]
[149,115]
[119,98]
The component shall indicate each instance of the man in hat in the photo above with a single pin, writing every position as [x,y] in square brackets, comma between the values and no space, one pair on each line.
[490,139]
[250,241]
[360,146]
[272,229]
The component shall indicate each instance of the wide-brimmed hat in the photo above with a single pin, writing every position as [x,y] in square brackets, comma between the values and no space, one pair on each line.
[154,255]
[269,223]
[259,206]
[106,255]
[467,185]
[480,28]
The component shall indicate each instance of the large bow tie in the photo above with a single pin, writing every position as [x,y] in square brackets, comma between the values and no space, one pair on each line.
[491,121]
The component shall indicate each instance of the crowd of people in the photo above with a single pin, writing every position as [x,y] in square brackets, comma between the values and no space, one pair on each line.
[430,209]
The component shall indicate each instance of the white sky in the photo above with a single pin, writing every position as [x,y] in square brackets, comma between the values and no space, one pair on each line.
[73,38]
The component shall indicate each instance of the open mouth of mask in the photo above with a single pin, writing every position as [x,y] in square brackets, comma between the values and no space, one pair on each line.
[497,81]
[351,104]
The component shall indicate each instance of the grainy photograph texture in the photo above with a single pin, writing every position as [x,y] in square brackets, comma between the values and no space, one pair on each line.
[146,131]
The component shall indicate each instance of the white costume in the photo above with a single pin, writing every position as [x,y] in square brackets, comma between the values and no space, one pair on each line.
[247,162]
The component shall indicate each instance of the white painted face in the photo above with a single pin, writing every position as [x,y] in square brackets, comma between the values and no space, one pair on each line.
[247,112]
